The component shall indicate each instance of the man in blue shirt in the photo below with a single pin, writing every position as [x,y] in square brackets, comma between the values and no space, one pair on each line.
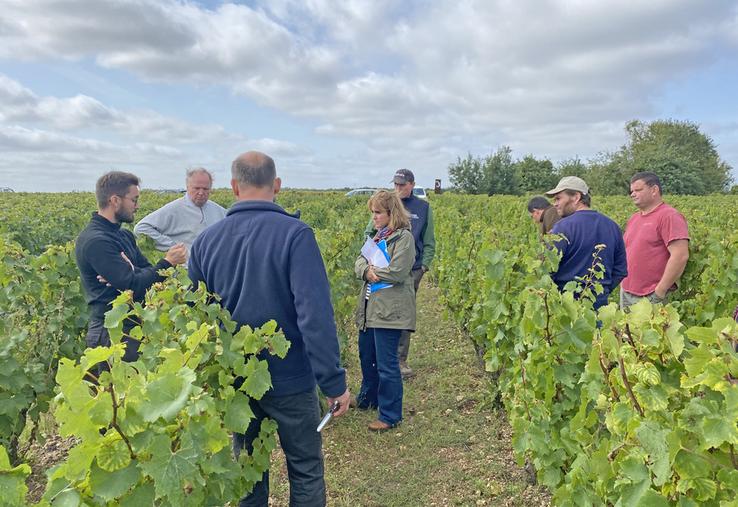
[265,264]
[586,233]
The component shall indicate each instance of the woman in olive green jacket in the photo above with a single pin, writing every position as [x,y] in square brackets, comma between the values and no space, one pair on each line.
[386,308]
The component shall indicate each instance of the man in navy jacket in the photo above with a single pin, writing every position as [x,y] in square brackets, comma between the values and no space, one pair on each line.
[265,264]
[583,230]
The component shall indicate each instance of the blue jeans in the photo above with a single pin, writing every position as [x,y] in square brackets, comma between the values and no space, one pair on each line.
[297,417]
[381,383]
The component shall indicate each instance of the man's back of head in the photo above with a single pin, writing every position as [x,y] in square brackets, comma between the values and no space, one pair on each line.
[254,169]
[254,177]
[538,202]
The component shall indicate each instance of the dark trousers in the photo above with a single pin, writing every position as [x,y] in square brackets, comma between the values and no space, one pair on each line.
[297,417]
[404,346]
[381,382]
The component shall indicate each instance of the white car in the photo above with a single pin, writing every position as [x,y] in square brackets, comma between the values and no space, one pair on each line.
[361,191]
[419,192]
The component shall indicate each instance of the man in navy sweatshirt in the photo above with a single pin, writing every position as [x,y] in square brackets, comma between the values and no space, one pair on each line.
[583,229]
[109,260]
[265,264]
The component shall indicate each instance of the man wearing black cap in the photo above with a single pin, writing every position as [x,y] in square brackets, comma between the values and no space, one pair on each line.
[421,225]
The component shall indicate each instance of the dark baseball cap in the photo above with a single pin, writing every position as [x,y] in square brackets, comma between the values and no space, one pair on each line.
[403,176]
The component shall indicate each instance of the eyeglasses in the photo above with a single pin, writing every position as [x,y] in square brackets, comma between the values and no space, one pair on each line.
[134,201]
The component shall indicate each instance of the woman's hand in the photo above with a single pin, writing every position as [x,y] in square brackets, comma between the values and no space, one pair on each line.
[371,276]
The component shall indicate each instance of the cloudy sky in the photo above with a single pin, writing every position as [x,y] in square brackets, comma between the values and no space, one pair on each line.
[341,93]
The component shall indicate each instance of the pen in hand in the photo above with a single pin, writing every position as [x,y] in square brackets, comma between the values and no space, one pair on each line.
[327,417]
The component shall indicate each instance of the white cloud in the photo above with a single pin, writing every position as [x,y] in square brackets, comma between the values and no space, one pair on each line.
[51,136]
[19,104]
[414,83]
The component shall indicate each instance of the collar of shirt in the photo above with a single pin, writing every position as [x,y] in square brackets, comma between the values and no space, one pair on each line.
[650,212]
[188,202]
[96,217]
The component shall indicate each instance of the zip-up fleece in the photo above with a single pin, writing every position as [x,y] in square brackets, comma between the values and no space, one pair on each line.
[98,250]
[265,264]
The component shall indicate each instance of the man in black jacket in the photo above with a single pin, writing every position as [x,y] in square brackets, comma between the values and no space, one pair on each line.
[109,260]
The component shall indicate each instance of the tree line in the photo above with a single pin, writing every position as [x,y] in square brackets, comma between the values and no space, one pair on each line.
[685,159]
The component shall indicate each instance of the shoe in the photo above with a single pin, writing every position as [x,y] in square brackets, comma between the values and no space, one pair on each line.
[406,371]
[379,426]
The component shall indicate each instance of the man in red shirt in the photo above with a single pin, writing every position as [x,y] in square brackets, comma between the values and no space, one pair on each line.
[656,244]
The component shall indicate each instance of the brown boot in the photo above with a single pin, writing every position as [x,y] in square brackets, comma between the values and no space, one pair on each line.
[379,426]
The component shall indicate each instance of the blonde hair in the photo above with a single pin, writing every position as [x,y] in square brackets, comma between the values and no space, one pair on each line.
[390,202]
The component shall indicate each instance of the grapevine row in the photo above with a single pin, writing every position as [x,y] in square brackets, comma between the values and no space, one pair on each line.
[609,408]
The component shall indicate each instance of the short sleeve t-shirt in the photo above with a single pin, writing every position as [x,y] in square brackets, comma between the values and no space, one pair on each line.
[646,240]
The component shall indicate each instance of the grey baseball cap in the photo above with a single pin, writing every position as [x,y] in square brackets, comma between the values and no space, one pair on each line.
[403,176]
[570,183]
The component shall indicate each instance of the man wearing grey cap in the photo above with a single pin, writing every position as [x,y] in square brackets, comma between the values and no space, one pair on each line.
[584,229]
[421,225]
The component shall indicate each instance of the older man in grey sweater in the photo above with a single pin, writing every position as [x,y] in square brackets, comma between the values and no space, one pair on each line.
[182,220]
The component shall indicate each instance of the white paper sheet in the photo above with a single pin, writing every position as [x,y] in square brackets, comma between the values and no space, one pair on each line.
[373,254]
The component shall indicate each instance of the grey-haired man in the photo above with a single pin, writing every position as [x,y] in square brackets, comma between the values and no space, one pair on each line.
[183,219]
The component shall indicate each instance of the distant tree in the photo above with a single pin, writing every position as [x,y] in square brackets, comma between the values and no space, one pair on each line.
[493,174]
[573,167]
[466,175]
[499,173]
[686,160]
[606,178]
[535,175]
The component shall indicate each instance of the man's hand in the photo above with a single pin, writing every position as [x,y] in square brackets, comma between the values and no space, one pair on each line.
[176,255]
[343,403]
[371,276]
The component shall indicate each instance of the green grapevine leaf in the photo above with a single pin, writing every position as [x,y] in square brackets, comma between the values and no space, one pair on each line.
[258,381]
[115,315]
[113,453]
[718,429]
[653,439]
[170,471]
[12,480]
[112,485]
[238,414]
[140,496]
[167,395]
